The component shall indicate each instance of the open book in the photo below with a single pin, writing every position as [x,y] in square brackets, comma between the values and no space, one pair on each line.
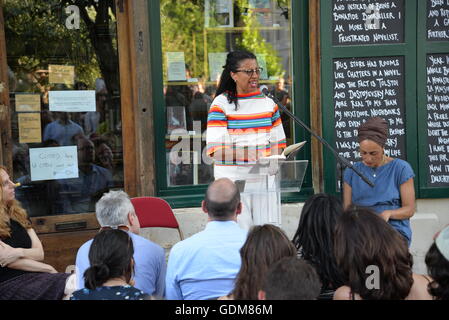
[289,153]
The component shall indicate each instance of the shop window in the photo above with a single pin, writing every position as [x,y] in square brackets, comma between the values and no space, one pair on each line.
[65,103]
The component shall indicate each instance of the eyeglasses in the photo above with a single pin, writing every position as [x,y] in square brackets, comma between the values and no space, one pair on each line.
[250,72]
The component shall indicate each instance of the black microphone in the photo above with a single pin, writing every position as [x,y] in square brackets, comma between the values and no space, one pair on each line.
[344,162]
[264,90]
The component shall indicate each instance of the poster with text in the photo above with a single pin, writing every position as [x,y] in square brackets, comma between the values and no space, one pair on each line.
[53,163]
[72,101]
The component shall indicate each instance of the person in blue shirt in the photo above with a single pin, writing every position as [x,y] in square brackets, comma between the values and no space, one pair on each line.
[115,210]
[62,130]
[205,266]
[112,267]
[393,194]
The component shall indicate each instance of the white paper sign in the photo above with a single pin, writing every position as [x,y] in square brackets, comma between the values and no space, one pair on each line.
[53,163]
[72,100]
[216,62]
[176,66]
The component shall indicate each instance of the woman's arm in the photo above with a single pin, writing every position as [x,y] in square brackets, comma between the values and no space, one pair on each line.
[9,254]
[407,192]
[31,265]
[347,195]
[237,154]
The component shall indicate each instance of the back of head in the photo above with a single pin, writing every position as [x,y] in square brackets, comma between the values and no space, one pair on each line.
[222,200]
[437,261]
[227,84]
[113,208]
[110,256]
[291,278]
[264,246]
[314,238]
[367,248]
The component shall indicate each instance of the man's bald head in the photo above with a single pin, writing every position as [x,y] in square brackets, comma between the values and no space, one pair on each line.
[222,199]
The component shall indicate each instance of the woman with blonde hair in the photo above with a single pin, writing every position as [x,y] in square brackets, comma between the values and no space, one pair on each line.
[23,275]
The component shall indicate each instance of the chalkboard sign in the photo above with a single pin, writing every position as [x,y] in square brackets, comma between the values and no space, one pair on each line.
[368,87]
[438,119]
[438,20]
[358,22]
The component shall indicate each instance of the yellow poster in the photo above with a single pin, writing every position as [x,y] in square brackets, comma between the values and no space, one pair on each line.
[30,128]
[28,102]
[61,74]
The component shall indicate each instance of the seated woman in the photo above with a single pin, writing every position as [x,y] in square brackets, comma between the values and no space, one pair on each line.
[314,240]
[264,246]
[437,261]
[22,274]
[112,266]
[393,194]
[375,260]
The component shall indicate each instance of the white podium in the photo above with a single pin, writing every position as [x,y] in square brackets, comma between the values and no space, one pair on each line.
[262,187]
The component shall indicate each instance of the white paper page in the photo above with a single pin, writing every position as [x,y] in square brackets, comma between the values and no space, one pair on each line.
[53,163]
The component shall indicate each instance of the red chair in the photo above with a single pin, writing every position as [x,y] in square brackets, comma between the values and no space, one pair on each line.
[155,212]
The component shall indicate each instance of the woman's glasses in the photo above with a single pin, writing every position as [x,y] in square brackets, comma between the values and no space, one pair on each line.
[250,72]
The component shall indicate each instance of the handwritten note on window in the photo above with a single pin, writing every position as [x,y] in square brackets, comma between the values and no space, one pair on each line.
[53,163]
[72,100]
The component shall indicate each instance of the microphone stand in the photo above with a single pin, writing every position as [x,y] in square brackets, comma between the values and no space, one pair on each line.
[342,161]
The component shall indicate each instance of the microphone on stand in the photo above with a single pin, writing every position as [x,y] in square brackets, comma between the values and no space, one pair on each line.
[264,89]
[342,160]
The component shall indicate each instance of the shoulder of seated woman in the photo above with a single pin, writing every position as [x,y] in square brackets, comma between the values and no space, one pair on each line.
[344,293]
[419,290]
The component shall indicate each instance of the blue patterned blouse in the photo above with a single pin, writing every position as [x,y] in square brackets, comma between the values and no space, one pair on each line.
[110,293]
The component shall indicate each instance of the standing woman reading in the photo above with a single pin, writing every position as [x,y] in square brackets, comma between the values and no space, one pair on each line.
[242,127]
[393,194]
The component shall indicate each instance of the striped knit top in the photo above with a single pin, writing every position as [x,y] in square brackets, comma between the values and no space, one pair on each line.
[256,124]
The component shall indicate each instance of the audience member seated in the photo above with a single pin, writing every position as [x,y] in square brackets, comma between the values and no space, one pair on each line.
[115,210]
[314,240]
[291,279]
[264,246]
[23,275]
[205,265]
[79,195]
[109,276]
[62,130]
[437,261]
[375,260]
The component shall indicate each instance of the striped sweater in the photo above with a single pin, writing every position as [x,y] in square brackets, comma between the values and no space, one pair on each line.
[255,125]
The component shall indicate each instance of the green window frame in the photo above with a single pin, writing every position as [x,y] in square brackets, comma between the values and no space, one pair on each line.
[192,195]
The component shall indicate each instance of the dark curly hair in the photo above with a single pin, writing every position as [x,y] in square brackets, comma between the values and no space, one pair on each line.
[264,246]
[314,237]
[438,269]
[363,239]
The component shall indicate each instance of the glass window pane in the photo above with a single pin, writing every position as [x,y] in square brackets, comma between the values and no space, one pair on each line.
[65,102]
[196,36]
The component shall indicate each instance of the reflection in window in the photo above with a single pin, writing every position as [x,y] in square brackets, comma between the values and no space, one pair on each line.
[64,92]
[196,36]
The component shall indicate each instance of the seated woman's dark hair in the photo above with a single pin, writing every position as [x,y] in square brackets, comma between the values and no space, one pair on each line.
[264,245]
[227,84]
[365,242]
[314,238]
[438,269]
[110,256]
